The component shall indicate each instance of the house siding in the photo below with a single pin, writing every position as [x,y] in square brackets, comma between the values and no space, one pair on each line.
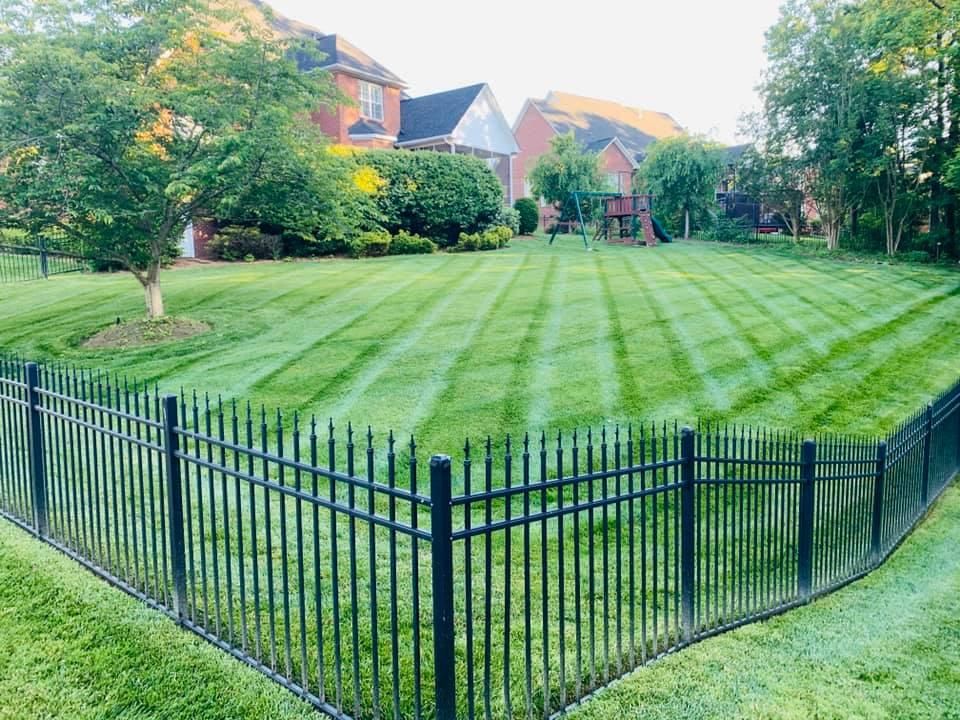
[533,135]
[337,122]
[612,160]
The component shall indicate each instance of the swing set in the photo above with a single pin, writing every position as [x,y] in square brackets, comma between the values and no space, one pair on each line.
[625,218]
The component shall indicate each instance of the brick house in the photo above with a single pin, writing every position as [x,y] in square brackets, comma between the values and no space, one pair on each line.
[466,121]
[373,120]
[619,134]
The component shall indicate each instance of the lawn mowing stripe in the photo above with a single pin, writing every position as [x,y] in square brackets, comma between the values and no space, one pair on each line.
[541,403]
[279,361]
[193,359]
[718,394]
[796,340]
[443,390]
[630,396]
[781,379]
[412,327]
[880,368]
[329,334]
[735,330]
[514,410]
[686,357]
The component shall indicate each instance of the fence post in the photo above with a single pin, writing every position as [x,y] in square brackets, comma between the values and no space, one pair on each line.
[441,531]
[44,262]
[927,438]
[35,439]
[808,459]
[178,561]
[876,535]
[688,518]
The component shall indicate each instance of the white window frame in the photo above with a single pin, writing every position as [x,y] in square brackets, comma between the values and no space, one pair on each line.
[371,100]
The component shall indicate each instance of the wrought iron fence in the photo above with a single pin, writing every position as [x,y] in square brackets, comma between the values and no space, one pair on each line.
[514,586]
[20,262]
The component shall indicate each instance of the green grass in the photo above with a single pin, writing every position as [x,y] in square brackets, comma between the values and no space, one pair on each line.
[532,337]
[455,345]
[886,647]
[72,647]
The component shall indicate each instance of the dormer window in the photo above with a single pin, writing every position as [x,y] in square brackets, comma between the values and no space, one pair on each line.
[371,101]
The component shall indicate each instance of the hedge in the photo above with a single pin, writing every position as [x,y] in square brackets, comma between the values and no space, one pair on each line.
[434,195]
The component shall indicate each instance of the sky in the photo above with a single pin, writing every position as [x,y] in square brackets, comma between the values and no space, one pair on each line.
[698,60]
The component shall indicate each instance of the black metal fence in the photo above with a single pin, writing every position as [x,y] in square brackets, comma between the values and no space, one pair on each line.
[20,262]
[515,586]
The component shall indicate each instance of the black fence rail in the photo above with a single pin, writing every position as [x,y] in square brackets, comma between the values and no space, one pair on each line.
[375,584]
[20,263]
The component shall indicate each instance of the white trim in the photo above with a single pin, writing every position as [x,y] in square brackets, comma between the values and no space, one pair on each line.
[371,136]
[347,70]
[531,102]
[427,140]
[626,153]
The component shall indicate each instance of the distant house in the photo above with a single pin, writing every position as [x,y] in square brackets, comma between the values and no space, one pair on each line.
[620,134]
[466,121]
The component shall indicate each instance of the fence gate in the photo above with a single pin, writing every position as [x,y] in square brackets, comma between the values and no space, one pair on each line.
[22,262]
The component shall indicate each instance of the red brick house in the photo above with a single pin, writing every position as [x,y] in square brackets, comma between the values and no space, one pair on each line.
[620,134]
[373,119]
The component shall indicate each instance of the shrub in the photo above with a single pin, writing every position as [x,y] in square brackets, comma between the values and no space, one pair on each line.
[492,239]
[374,243]
[404,243]
[726,229]
[501,234]
[529,215]
[434,195]
[509,218]
[235,242]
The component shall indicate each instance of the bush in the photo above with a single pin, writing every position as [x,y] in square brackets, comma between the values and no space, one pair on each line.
[726,229]
[404,243]
[236,242]
[492,239]
[433,195]
[375,243]
[509,218]
[529,215]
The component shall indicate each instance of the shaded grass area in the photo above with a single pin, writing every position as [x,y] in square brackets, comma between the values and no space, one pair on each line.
[73,647]
[533,337]
[885,647]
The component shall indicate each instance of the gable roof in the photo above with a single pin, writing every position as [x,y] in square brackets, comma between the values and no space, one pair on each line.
[340,54]
[594,121]
[436,115]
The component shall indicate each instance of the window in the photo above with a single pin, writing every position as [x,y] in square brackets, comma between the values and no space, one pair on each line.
[613,180]
[371,101]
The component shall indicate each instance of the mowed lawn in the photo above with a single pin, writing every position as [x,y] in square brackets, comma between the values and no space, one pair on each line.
[72,647]
[533,337]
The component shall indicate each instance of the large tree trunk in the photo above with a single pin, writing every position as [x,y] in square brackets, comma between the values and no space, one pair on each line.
[150,280]
[686,224]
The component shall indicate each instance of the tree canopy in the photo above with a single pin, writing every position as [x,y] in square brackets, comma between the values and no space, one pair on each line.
[119,121]
[566,168]
[682,173]
[863,98]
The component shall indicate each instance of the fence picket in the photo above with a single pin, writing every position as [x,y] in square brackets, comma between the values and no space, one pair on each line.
[216,519]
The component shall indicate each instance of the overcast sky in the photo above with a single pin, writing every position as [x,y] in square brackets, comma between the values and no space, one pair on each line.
[695,59]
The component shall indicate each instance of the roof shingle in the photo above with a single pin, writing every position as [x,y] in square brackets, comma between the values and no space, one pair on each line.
[435,115]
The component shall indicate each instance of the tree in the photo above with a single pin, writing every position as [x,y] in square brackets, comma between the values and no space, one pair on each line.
[682,173]
[775,179]
[119,121]
[566,168]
